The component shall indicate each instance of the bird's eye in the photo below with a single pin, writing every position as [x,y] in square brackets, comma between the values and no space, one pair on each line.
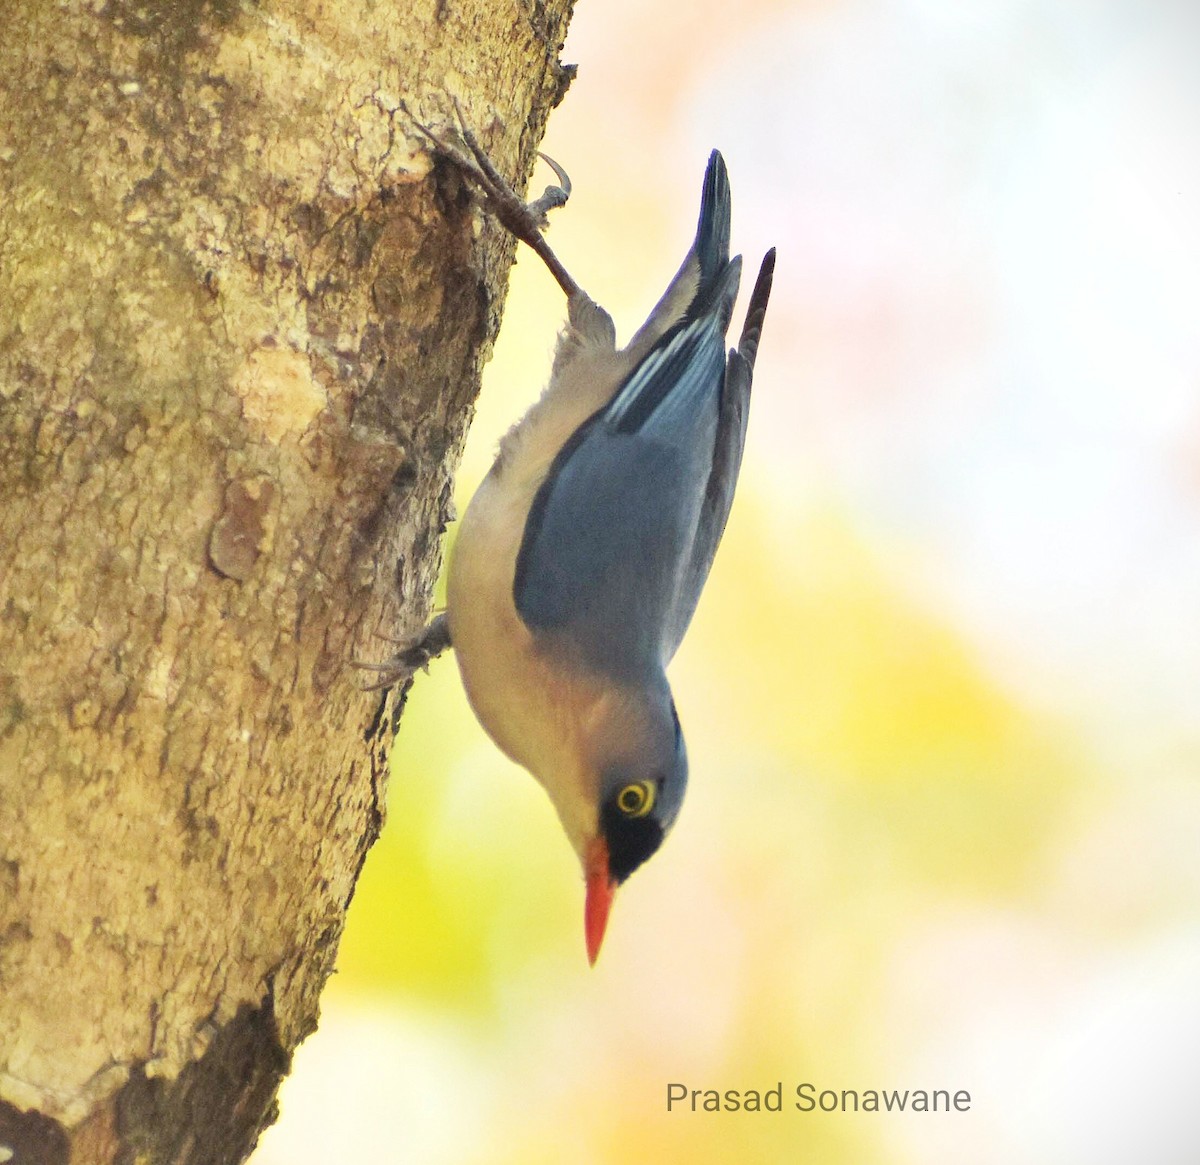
[636,800]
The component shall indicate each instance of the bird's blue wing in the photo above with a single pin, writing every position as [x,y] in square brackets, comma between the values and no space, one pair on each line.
[610,535]
[622,531]
[727,456]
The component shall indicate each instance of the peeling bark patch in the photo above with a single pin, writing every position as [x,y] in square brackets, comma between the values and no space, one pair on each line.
[219,1104]
[278,391]
[30,1138]
[240,534]
[563,76]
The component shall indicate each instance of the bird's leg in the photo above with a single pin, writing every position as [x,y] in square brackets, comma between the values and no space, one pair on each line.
[427,646]
[524,220]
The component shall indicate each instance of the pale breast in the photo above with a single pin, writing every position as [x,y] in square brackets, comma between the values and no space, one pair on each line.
[530,708]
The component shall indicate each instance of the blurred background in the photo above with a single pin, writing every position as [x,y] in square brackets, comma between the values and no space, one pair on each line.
[942,695]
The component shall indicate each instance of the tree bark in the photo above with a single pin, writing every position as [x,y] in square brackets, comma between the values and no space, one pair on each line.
[241,329]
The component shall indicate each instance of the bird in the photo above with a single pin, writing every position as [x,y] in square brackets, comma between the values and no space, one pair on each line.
[580,559]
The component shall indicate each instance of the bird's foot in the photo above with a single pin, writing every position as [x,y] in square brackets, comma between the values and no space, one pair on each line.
[524,220]
[415,655]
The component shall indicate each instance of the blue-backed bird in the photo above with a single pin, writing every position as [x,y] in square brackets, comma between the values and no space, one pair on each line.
[580,559]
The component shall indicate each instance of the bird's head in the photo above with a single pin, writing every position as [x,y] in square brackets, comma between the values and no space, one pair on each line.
[640,763]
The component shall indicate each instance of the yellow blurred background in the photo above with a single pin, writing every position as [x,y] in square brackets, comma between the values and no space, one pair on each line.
[941,694]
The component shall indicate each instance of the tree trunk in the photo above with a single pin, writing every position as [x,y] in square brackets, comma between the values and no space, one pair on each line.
[241,328]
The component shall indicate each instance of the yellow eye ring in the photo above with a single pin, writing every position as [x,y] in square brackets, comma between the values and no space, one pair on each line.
[637,799]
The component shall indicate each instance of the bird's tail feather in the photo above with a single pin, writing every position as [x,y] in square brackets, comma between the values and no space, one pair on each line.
[756,311]
[712,229]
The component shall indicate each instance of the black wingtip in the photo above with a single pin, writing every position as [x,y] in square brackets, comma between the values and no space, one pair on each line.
[712,230]
[756,311]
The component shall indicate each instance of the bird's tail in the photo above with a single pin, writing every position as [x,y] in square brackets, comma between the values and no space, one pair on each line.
[712,229]
[756,311]
[706,283]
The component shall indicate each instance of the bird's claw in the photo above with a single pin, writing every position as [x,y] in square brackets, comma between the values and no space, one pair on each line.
[412,658]
[523,220]
[526,220]
[552,197]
